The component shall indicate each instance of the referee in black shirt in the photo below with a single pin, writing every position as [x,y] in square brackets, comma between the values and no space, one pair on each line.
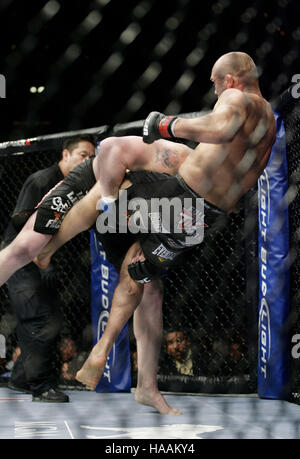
[32,292]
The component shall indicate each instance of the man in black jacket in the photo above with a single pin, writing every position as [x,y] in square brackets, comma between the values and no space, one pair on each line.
[33,292]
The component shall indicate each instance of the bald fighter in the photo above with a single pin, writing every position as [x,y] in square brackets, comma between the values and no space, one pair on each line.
[235,145]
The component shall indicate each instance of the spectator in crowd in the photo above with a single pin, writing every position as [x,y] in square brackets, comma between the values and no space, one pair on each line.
[179,356]
[68,349]
[72,359]
[33,293]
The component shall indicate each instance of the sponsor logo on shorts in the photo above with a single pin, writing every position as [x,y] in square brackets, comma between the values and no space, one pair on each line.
[57,215]
[163,253]
[53,223]
[157,215]
[58,205]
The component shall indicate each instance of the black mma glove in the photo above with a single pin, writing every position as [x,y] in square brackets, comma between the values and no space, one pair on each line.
[144,272]
[157,126]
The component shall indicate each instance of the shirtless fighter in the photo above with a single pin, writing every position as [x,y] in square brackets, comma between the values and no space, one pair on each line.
[236,141]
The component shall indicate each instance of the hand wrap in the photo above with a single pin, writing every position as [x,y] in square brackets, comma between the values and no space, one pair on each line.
[107,203]
[157,126]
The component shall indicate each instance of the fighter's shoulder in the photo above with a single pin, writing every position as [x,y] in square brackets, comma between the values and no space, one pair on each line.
[234,96]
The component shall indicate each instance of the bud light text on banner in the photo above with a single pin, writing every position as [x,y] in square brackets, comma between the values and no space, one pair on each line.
[104,279]
[273,257]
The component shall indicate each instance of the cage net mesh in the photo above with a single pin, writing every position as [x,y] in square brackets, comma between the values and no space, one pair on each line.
[98,71]
[205,299]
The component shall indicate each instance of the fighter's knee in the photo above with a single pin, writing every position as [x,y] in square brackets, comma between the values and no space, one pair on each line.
[130,288]
[112,144]
[22,250]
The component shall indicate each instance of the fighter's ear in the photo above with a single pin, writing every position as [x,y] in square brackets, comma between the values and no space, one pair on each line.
[65,154]
[229,80]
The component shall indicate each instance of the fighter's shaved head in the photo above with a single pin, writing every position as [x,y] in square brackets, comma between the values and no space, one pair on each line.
[237,64]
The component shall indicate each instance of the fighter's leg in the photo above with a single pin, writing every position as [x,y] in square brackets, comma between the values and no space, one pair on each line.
[79,218]
[21,250]
[147,325]
[127,296]
[118,154]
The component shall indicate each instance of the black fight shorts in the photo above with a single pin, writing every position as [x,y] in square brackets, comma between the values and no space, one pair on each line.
[59,200]
[166,249]
[116,246]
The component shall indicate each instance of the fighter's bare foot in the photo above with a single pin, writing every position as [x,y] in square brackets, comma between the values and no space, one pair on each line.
[156,400]
[91,371]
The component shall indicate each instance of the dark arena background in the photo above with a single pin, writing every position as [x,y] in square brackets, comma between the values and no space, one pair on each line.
[100,67]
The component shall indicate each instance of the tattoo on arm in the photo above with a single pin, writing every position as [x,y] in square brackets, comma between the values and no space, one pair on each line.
[167,157]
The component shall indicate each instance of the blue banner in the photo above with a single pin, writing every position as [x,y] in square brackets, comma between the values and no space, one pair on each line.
[273,247]
[104,279]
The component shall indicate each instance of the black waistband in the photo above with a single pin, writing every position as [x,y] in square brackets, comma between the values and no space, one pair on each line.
[186,187]
[196,195]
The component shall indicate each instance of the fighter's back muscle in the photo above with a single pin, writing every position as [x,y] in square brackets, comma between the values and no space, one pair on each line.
[212,170]
[255,137]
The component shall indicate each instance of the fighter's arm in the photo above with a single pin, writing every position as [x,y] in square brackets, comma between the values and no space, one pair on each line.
[79,218]
[219,126]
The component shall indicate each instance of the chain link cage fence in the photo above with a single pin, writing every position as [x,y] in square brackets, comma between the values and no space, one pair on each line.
[205,299]
[213,298]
